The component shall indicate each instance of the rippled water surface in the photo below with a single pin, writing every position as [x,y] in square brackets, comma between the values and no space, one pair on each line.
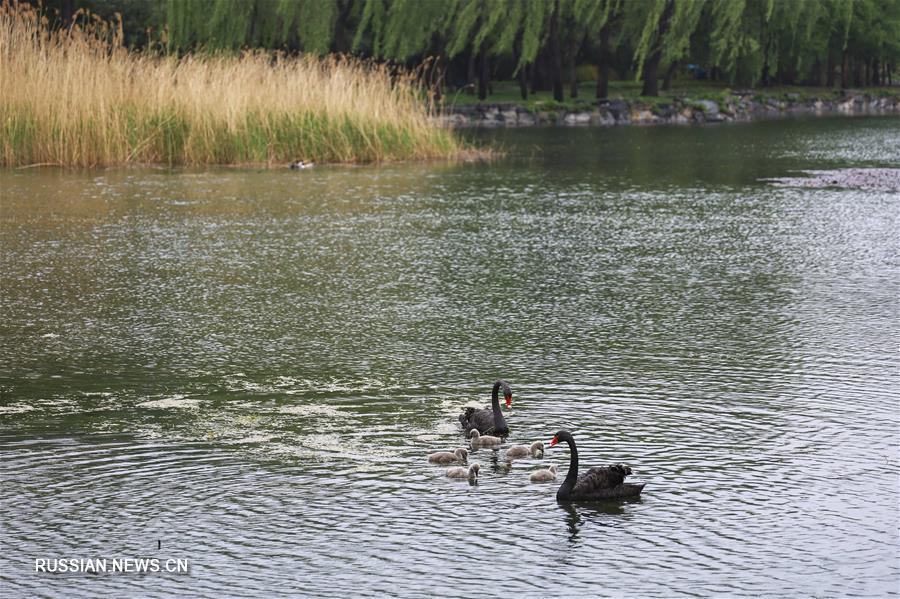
[247,369]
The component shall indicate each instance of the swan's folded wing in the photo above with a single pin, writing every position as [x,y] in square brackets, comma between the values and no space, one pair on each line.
[597,479]
[483,420]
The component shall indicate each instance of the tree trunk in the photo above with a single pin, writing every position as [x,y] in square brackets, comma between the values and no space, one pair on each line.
[573,81]
[603,67]
[523,83]
[670,74]
[787,75]
[829,77]
[571,55]
[470,72]
[876,72]
[845,70]
[816,77]
[483,74]
[651,65]
[556,54]
[522,75]
[651,79]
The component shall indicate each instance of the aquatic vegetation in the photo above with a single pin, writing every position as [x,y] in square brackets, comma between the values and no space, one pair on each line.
[76,97]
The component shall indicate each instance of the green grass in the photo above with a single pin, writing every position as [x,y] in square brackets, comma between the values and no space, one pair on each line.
[630,91]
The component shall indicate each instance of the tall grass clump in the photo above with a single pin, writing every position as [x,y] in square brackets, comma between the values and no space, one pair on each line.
[76,97]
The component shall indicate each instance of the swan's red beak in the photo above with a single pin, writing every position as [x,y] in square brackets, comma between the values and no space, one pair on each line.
[508,401]
[554,441]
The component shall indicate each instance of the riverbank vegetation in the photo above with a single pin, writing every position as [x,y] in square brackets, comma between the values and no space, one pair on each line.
[95,82]
[565,46]
[77,97]
[507,92]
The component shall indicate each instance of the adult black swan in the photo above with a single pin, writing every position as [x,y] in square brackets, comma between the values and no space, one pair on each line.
[597,483]
[489,420]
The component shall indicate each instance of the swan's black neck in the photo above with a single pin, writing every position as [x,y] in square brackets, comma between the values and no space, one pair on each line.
[572,475]
[499,423]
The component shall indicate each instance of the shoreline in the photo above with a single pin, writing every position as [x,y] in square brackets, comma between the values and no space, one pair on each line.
[737,106]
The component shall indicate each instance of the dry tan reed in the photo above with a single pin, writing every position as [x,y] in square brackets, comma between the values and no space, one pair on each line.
[77,98]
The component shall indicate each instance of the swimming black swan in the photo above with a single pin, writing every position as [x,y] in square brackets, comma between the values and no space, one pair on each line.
[521,451]
[460,472]
[596,483]
[460,455]
[489,420]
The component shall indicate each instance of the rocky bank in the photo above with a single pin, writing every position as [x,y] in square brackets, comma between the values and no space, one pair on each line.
[736,106]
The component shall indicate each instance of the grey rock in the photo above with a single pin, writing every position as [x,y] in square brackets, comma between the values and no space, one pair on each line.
[526,118]
[665,111]
[577,118]
[602,118]
[709,107]
[619,109]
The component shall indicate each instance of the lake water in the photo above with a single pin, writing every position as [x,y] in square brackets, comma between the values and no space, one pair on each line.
[246,369]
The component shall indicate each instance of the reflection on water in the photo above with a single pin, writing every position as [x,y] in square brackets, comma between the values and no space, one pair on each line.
[251,368]
[601,513]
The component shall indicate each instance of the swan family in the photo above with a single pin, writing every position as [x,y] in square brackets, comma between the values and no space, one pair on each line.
[489,420]
[486,428]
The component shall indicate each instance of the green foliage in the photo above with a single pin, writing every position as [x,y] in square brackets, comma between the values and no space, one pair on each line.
[233,24]
[744,41]
[586,72]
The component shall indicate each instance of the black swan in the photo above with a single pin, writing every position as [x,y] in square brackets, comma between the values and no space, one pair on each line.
[460,472]
[460,455]
[489,420]
[597,483]
[543,476]
[521,451]
[483,441]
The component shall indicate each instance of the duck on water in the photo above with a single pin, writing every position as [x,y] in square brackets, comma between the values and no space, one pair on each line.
[489,420]
[606,482]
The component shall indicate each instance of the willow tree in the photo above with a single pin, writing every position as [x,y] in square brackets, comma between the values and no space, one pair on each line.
[767,40]
[660,30]
[308,25]
[405,29]
[522,28]
[402,29]
[873,39]
[520,34]
[677,41]
[598,17]
[734,44]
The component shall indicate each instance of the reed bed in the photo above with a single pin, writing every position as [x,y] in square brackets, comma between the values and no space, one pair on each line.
[78,98]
